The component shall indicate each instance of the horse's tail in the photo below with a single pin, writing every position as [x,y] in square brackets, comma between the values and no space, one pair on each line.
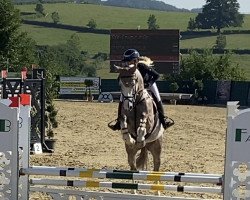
[141,161]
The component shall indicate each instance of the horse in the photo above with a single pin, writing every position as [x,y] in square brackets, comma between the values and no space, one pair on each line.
[140,125]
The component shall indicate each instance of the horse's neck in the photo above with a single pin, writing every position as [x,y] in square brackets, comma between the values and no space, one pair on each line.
[140,82]
[142,95]
[135,115]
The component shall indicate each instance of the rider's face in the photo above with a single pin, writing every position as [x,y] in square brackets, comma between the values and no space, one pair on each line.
[129,63]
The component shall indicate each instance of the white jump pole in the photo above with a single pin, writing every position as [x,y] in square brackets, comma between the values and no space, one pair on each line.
[128,186]
[121,175]
[85,170]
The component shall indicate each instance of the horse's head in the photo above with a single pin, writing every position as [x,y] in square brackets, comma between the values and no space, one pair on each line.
[131,83]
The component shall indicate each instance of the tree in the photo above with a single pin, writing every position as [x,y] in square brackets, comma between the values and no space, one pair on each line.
[55,17]
[16,48]
[221,42]
[219,14]
[152,25]
[40,9]
[74,40]
[92,24]
[206,66]
[192,24]
[65,59]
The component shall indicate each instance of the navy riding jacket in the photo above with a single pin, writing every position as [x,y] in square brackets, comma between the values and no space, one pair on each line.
[149,75]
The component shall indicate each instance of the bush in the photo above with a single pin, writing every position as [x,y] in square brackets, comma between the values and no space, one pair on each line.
[40,9]
[55,17]
[206,66]
[152,24]
[191,24]
[173,87]
[101,56]
[221,42]
[92,24]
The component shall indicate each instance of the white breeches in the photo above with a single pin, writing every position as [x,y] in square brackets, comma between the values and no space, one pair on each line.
[154,89]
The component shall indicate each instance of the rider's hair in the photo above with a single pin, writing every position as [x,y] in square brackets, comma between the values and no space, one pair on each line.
[146,61]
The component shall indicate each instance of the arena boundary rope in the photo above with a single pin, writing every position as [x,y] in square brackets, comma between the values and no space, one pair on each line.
[15,170]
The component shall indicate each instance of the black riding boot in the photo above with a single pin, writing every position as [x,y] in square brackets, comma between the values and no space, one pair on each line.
[166,122]
[117,125]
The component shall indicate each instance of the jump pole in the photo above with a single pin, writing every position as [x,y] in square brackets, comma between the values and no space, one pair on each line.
[111,174]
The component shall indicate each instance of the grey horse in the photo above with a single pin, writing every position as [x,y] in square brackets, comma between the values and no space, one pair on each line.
[140,126]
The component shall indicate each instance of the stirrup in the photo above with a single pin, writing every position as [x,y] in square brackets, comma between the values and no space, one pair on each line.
[169,123]
[116,126]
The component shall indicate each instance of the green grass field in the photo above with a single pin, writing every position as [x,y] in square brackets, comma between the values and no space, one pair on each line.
[110,17]
[244,63]
[114,17]
[105,17]
[234,41]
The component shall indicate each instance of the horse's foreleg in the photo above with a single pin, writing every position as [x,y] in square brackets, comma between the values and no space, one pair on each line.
[155,148]
[142,130]
[157,163]
[157,158]
[124,130]
[131,157]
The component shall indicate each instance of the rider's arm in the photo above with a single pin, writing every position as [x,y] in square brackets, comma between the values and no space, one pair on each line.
[149,74]
[154,75]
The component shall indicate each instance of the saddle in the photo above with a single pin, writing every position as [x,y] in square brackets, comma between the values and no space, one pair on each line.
[155,132]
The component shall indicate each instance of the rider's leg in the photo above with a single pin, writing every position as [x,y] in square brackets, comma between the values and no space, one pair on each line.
[166,122]
[117,125]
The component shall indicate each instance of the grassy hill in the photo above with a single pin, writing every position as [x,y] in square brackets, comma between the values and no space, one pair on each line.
[78,15]
[105,17]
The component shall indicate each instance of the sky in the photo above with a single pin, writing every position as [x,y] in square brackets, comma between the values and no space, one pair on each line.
[189,4]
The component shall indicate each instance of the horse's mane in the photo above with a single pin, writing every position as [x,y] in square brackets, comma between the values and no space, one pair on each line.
[146,61]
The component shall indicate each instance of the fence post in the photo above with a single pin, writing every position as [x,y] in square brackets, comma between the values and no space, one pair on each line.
[9,151]
[237,162]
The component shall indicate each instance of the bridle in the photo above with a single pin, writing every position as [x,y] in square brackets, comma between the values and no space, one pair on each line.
[133,99]
[130,98]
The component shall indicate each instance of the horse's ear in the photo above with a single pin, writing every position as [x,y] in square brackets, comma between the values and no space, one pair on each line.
[118,68]
[125,69]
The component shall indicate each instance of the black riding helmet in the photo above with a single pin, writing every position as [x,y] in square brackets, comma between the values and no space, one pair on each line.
[130,55]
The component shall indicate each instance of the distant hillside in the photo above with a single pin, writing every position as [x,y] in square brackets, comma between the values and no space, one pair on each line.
[196,10]
[144,4]
[139,4]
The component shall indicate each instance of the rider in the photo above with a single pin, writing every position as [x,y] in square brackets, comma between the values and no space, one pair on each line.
[132,57]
